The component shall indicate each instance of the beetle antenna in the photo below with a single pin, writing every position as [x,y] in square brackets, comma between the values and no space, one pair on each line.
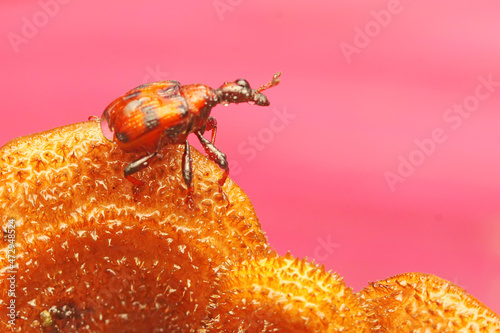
[274,82]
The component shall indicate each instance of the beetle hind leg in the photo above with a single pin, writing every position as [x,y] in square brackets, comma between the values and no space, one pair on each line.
[136,166]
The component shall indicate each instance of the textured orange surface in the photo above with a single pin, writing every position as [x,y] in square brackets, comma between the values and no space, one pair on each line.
[95,254]
[414,301]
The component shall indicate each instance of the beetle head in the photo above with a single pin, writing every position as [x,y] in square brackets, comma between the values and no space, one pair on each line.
[239,91]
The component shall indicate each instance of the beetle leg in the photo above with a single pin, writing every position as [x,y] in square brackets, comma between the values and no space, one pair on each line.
[187,173]
[212,125]
[215,155]
[136,166]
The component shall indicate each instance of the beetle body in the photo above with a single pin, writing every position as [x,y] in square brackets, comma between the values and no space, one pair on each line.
[157,114]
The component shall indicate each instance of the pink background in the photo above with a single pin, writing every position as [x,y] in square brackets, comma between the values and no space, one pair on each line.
[319,177]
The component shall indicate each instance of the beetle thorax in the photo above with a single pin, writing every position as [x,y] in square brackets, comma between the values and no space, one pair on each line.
[200,100]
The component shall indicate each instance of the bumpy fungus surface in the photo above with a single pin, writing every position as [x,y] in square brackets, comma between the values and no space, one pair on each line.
[416,302]
[95,254]
[283,294]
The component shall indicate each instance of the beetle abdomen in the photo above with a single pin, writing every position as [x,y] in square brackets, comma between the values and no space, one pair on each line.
[148,108]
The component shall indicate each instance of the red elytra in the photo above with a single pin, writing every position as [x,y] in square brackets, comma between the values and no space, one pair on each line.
[157,114]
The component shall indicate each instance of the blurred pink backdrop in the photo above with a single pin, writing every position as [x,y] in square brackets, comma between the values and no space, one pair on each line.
[380,153]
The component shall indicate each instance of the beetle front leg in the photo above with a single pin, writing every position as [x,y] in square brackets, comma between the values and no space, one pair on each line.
[215,155]
[187,173]
[212,126]
[137,166]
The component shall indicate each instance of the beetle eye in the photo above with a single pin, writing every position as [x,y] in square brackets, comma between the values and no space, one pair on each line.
[243,83]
